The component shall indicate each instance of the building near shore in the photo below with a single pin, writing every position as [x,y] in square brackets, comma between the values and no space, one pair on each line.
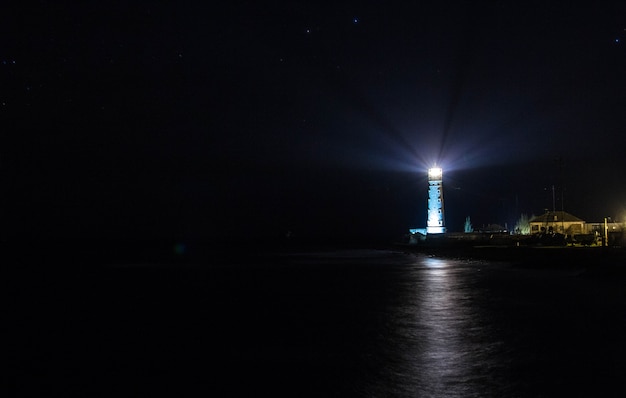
[567,224]
[435,221]
[559,222]
[576,230]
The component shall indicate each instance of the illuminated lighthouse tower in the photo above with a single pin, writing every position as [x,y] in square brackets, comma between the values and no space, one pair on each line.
[435,223]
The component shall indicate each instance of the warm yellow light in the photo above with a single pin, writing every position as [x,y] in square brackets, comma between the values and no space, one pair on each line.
[435,172]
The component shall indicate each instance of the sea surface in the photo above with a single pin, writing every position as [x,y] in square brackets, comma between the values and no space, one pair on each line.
[323,323]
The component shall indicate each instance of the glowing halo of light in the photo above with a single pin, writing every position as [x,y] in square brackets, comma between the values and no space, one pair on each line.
[435,172]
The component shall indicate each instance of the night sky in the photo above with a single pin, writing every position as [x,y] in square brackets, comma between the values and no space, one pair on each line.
[200,120]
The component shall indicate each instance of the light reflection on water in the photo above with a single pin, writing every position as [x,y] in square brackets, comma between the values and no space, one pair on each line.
[440,318]
[439,335]
[350,323]
[456,328]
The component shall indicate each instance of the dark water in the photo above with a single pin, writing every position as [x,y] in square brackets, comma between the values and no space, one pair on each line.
[335,323]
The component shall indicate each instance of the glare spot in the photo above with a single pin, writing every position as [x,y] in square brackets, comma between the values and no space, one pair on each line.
[180,248]
[437,263]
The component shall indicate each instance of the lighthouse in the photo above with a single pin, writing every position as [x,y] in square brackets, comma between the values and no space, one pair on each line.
[435,223]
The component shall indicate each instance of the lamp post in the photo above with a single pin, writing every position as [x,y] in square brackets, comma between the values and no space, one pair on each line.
[606,231]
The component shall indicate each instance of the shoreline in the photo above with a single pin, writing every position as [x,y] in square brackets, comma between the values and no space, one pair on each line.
[609,259]
[83,253]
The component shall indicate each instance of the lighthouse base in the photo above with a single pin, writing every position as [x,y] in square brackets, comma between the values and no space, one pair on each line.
[436,230]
